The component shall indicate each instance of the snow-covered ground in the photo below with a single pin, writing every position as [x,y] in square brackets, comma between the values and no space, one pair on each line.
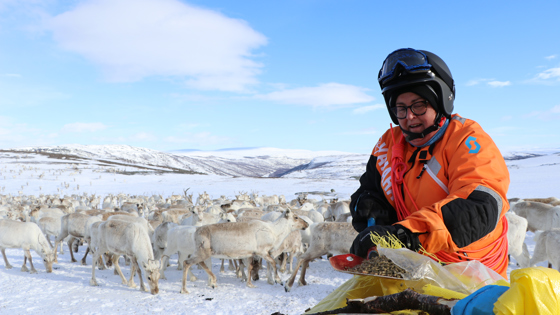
[67,289]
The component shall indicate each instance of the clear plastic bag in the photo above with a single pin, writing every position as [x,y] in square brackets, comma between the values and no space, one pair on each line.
[465,277]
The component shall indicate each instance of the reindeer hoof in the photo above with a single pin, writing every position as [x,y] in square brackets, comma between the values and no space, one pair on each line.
[93,282]
[287,288]
[184,291]
[24,268]
[9,266]
[33,271]
[83,263]
[250,285]
[193,278]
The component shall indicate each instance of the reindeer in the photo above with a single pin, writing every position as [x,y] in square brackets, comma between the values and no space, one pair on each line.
[241,240]
[131,239]
[27,236]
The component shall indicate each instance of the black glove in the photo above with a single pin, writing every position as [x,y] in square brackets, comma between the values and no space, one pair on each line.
[367,206]
[362,243]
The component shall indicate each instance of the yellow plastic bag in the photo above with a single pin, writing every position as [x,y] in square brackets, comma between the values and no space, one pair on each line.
[424,275]
[532,291]
[358,287]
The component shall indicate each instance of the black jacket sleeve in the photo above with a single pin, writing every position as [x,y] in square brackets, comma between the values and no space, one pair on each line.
[469,220]
[369,200]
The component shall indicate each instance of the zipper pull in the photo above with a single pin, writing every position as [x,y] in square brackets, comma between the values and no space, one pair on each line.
[422,172]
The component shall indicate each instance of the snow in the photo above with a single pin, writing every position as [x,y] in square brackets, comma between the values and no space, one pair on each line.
[67,289]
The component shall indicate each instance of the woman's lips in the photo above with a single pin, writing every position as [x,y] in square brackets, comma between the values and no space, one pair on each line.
[416,127]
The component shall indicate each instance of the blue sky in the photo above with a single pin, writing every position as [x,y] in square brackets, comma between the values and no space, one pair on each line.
[293,74]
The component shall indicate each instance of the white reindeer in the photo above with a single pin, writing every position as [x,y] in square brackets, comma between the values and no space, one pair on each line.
[546,248]
[131,239]
[336,210]
[27,236]
[540,216]
[241,240]
[326,238]
[516,238]
[76,225]
[179,240]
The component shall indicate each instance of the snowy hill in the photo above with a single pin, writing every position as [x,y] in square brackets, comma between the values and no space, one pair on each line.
[252,162]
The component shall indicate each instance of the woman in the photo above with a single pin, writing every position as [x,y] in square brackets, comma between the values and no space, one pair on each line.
[436,181]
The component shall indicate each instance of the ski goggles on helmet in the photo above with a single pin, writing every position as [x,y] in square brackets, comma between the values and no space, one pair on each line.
[411,60]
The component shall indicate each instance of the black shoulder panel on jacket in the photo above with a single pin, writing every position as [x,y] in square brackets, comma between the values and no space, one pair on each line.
[469,220]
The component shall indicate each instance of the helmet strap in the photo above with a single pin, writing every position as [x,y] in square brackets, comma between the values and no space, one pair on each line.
[409,136]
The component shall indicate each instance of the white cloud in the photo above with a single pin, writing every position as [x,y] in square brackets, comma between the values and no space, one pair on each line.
[550,57]
[11,75]
[552,73]
[547,115]
[490,82]
[475,81]
[83,127]
[365,109]
[327,94]
[134,39]
[499,83]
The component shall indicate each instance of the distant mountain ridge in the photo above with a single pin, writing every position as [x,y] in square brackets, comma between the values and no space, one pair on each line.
[238,162]
[241,162]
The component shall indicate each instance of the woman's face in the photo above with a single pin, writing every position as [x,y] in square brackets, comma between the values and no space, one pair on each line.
[414,123]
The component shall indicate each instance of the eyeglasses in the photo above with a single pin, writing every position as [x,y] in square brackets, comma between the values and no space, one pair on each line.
[411,60]
[417,108]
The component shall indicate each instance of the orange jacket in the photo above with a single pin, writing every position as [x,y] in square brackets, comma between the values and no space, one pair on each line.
[459,190]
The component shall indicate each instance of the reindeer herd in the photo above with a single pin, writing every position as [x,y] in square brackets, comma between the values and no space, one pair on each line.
[150,231]
[147,231]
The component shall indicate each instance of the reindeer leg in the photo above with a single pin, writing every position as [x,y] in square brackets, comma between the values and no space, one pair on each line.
[290,283]
[28,254]
[222,269]
[256,265]
[70,243]
[271,260]
[85,255]
[249,269]
[93,281]
[284,261]
[241,270]
[139,271]
[186,268]
[211,276]
[232,265]
[302,276]
[163,267]
[8,266]
[269,273]
[24,266]
[118,269]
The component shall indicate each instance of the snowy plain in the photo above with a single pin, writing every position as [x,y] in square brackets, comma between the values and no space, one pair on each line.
[67,289]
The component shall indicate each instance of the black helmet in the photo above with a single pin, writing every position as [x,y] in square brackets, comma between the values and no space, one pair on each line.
[419,71]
